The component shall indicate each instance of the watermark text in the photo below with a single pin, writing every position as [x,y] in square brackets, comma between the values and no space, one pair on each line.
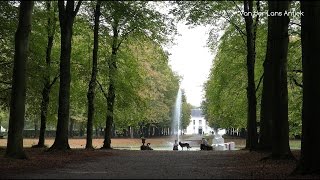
[274,13]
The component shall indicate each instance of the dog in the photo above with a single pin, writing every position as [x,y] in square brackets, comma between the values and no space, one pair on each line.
[184,145]
[148,147]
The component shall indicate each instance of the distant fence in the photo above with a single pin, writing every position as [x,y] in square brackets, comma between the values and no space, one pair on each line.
[237,132]
[243,133]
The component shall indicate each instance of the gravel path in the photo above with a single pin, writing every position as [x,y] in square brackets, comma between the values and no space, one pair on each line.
[161,163]
[126,164]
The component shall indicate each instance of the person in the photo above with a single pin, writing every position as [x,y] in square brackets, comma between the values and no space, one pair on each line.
[175,146]
[204,145]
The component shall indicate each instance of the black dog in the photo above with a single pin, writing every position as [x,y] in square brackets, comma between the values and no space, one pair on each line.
[148,147]
[184,145]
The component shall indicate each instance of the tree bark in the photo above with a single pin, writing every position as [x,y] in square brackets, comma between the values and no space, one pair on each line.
[266,112]
[47,84]
[92,84]
[310,38]
[18,93]
[252,137]
[265,139]
[278,55]
[66,19]
[112,63]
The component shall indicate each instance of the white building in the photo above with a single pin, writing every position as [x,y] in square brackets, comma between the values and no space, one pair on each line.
[198,125]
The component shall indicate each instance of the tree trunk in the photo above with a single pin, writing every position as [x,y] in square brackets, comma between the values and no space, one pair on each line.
[18,93]
[92,84]
[252,137]
[66,18]
[44,110]
[265,139]
[310,38]
[47,85]
[112,63]
[278,55]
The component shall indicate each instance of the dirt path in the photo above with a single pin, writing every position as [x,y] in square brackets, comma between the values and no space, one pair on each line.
[122,163]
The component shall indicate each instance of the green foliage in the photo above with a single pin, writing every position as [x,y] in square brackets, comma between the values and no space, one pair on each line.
[9,21]
[216,14]
[146,85]
[226,88]
[37,68]
[294,83]
[225,102]
[185,112]
[137,17]
[143,74]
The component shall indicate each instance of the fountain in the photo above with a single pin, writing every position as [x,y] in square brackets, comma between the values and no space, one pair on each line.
[218,141]
[177,115]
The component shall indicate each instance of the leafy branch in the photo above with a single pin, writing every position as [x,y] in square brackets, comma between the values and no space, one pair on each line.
[261,78]
[102,90]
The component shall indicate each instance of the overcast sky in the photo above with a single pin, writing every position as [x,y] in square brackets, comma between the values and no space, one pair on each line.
[191,59]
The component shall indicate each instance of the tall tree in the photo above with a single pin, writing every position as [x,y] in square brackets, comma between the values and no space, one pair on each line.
[252,137]
[265,138]
[112,64]
[67,15]
[209,13]
[277,52]
[127,18]
[18,93]
[92,84]
[310,38]
[51,11]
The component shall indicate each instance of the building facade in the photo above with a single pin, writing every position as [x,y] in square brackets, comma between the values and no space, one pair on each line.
[198,124]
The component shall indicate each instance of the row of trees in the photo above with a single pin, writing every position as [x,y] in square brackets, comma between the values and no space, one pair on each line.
[256,58]
[88,62]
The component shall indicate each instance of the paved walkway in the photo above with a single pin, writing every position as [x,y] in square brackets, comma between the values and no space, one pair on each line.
[148,165]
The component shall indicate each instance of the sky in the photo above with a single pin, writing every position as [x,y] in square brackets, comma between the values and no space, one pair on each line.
[192,60]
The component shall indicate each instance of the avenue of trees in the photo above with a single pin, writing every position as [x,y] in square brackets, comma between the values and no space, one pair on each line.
[96,66]
[101,64]
[264,76]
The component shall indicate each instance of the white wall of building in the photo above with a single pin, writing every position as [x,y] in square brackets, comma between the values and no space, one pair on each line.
[197,121]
